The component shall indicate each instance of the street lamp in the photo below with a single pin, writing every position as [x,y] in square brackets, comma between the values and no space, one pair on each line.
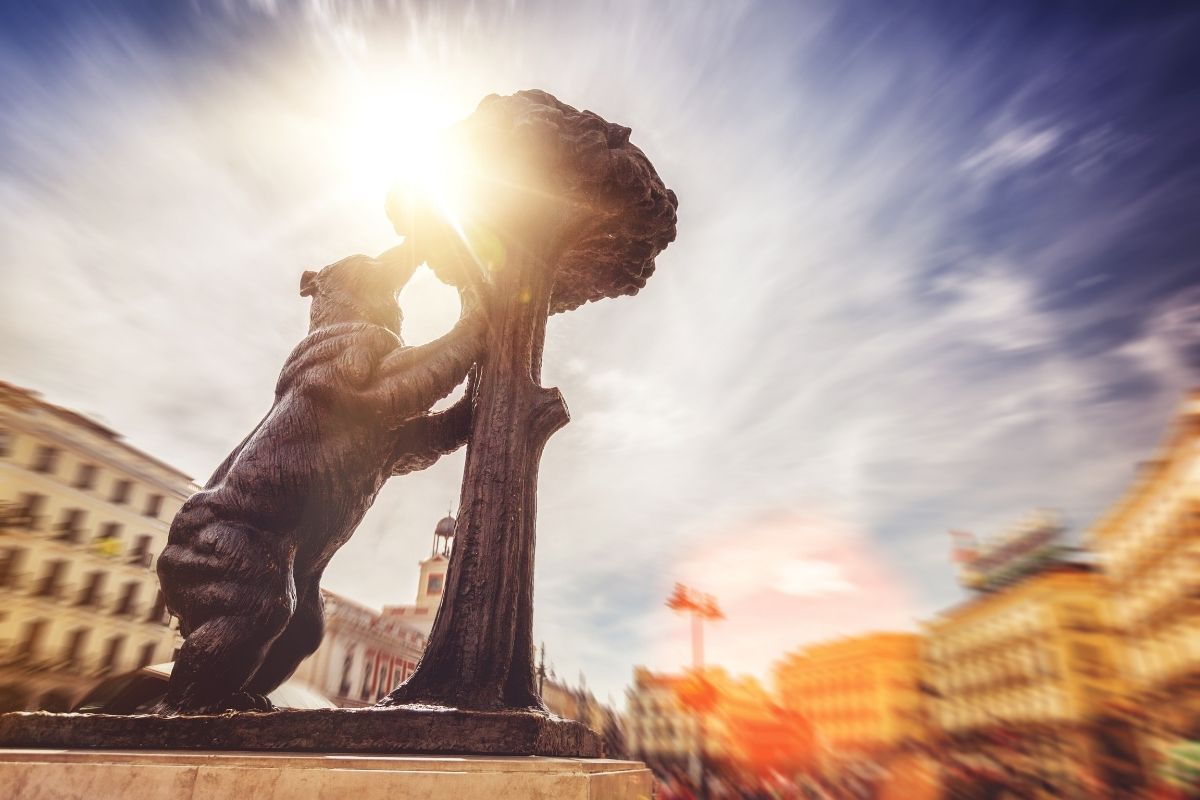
[702,607]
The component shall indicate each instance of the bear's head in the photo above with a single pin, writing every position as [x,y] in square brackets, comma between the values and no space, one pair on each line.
[358,289]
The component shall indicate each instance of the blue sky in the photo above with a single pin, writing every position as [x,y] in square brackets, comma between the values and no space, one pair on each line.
[937,265]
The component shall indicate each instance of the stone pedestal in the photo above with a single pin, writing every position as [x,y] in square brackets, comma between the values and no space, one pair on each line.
[403,730]
[200,775]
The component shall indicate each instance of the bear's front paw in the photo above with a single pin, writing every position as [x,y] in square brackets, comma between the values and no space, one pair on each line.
[246,701]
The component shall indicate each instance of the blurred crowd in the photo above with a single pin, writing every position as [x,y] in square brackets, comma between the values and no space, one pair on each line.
[926,776]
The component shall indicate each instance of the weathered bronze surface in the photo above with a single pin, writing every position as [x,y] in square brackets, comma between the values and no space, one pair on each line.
[371,730]
[243,563]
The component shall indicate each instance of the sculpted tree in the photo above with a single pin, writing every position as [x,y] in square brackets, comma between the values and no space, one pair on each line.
[563,210]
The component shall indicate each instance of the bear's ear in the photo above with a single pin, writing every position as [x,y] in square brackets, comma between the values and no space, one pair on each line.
[308,283]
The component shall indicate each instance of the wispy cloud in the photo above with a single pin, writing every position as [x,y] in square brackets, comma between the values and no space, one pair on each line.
[995,305]
[812,578]
[1010,151]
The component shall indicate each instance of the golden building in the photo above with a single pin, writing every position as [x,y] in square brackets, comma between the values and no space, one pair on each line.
[570,702]
[581,705]
[83,516]
[861,695]
[667,716]
[747,730]
[1149,549]
[1035,661]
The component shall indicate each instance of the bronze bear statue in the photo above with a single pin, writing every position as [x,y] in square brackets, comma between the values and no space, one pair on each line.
[244,558]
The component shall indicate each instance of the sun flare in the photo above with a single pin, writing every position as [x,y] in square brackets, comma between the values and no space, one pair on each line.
[395,141]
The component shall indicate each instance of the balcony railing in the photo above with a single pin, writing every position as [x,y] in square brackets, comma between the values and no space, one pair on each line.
[67,533]
[19,520]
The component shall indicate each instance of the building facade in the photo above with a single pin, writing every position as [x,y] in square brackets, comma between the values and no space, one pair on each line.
[367,653]
[83,516]
[1149,550]
[431,584]
[1033,666]
[748,731]
[658,729]
[364,655]
[861,695]
[579,704]
[570,702]
[730,721]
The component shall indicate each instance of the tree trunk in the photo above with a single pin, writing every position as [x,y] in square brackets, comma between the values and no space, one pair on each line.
[480,651]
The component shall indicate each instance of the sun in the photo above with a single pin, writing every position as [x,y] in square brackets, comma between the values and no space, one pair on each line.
[395,140]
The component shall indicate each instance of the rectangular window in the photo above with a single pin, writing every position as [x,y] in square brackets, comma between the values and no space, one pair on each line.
[112,653]
[153,505]
[10,563]
[49,585]
[74,648]
[90,594]
[28,513]
[85,476]
[70,527]
[147,656]
[31,640]
[368,673]
[127,604]
[381,681]
[159,613]
[141,552]
[434,585]
[120,492]
[347,665]
[6,444]
[46,459]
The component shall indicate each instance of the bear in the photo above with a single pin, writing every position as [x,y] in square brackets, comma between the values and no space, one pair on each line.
[244,555]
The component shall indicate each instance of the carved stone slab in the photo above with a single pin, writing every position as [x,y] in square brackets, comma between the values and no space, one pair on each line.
[200,775]
[368,730]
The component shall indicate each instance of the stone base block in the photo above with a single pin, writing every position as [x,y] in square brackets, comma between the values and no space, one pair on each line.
[194,775]
[407,730]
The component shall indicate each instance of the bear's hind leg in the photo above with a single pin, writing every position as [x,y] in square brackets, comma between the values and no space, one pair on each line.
[234,592]
[299,640]
[220,656]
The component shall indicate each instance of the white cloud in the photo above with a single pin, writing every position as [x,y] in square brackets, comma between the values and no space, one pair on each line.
[631,411]
[995,305]
[810,578]
[1169,347]
[1010,151]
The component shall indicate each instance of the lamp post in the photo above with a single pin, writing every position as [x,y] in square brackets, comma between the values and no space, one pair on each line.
[702,607]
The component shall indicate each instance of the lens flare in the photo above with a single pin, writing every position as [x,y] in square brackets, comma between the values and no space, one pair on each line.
[396,142]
